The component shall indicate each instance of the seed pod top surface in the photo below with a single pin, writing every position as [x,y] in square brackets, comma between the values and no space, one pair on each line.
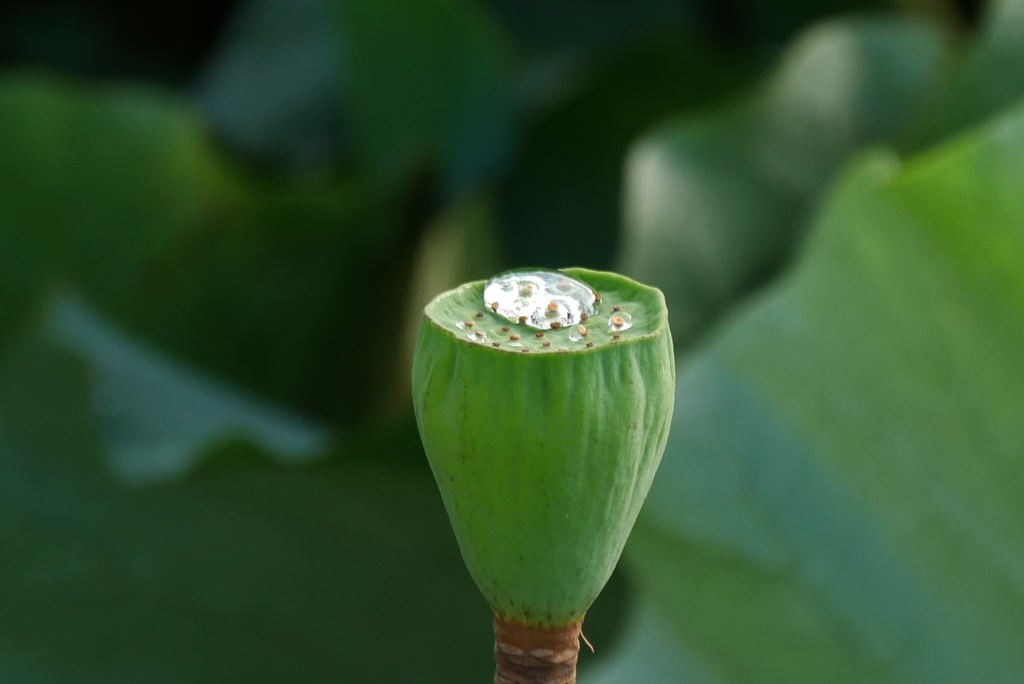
[543,400]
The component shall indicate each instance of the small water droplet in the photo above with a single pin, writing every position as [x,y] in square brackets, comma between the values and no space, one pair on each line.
[541,299]
[620,321]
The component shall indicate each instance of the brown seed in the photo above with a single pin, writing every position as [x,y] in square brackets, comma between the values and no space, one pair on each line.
[525,350]
[513,336]
[522,320]
[553,307]
[494,307]
[616,308]
[597,297]
[584,316]
[547,344]
[590,344]
[582,331]
[470,324]
[479,314]
[504,328]
[618,321]
[540,334]
[616,336]
[555,325]
[495,344]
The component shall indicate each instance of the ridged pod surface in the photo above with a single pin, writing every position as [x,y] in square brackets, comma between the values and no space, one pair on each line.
[544,432]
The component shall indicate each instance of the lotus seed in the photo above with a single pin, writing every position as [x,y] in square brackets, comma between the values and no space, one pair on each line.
[513,336]
[494,307]
[553,307]
[590,344]
[555,325]
[616,308]
[621,321]
[479,314]
[582,331]
[547,344]
[470,324]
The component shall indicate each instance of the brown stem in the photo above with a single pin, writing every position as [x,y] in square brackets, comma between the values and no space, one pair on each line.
[535,655]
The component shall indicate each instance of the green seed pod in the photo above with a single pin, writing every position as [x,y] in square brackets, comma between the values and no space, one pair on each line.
[543,400]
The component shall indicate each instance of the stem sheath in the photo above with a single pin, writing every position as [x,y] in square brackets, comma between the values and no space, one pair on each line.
[535,655]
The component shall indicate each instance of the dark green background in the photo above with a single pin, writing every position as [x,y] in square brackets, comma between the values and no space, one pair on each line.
[219,223]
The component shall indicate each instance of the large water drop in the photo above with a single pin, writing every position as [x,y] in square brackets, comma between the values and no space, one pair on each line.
[540,299]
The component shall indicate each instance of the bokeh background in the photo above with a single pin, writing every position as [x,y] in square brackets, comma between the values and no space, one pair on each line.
[220,220]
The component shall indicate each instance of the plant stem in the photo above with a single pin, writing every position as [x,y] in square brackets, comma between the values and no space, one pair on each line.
[535,655]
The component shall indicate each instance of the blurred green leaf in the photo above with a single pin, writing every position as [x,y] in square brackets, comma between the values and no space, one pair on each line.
[651,651]
[560,204]
[275,87]
[989,79]
[841,498]
[118,192]
[157,416]
[714,204]
[578,26]
[429,84]
[95,185]
[247,570]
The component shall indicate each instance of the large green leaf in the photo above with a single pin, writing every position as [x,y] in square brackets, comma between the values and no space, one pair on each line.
[714,204]
[843,493]
[344,570]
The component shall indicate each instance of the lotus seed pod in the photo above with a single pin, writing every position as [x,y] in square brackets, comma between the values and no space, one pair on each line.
[544,423]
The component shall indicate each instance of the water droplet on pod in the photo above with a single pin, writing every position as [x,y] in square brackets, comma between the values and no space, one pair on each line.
[541,299]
